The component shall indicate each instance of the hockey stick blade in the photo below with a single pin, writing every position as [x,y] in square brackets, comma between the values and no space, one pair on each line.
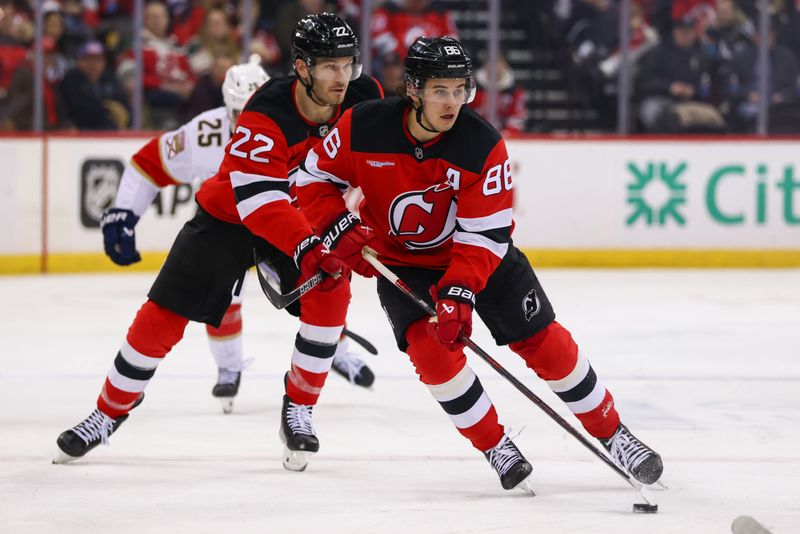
[266,273]
[371,256]
[369,347]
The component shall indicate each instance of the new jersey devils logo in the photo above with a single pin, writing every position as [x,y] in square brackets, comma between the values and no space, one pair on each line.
[424,219]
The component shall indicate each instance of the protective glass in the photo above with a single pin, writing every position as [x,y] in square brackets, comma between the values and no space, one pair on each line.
[462,94]
[329,70]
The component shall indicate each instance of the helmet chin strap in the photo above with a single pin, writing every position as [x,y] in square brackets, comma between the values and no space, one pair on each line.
[310,91]
[418,116]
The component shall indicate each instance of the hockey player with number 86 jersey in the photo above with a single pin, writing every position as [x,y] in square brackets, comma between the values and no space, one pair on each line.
[438,198]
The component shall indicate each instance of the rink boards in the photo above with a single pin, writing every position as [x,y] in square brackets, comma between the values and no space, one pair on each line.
[699,202]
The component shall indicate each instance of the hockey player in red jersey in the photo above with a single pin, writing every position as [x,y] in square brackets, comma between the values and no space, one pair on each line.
[438,207]
[194,152]
[247,207]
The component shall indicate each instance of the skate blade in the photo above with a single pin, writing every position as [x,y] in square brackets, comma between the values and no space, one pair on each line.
[63,458]
[525,487]
[296,460]
[227,404]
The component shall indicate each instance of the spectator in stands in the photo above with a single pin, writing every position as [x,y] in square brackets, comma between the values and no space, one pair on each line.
[511,110]
[262,41]
[216,39]
[287,18]
[207,94]
[16,24]
[53,27]
[395,28]
[672,85]
[76,31]
[168,79]
[391,75]
[742,87]
[731,28]
[92,95]
[593,42]
[17,112]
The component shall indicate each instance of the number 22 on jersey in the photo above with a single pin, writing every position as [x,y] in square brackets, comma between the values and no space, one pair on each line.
[265,144]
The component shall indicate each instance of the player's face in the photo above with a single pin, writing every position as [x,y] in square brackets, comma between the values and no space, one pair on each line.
[442,100]
[331,78]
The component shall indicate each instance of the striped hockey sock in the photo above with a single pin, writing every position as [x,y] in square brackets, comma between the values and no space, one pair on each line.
[226,341]
[314,348]
[555,357]
[155,330]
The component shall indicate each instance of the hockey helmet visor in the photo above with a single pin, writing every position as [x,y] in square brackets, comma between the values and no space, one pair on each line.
[439,58]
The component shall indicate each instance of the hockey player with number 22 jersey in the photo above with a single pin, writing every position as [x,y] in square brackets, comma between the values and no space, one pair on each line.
[194,152]
[438,198]
[246,210]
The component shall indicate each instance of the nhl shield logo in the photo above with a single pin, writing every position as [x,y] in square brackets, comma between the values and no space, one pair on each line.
[531,304]
[323,130]
[99,181]
[418,152]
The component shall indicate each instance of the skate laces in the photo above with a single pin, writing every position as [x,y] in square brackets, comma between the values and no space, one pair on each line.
[503,456]
[628,451]
[226,376]
[348,363]
[229,376]
[98,426]
[298,417]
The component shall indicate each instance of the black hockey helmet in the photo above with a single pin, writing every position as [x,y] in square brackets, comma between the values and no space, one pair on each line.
[439,57]
[324,35]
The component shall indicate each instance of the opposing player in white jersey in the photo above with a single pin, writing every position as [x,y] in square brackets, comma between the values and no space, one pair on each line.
[194,152]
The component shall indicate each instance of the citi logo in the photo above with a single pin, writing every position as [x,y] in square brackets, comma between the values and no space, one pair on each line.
[379,164]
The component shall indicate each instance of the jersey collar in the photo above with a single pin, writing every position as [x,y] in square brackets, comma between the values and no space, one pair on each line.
[315,125]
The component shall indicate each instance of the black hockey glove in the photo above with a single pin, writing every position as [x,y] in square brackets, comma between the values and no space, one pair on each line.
[119,236]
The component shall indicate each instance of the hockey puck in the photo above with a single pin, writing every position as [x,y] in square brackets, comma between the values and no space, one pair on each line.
[645,508]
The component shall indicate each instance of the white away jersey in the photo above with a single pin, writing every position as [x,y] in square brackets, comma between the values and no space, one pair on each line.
[192,152]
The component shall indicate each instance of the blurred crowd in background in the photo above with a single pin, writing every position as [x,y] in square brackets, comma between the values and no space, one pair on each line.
[694,63]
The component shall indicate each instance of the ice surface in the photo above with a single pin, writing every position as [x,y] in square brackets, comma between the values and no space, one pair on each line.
[705,367]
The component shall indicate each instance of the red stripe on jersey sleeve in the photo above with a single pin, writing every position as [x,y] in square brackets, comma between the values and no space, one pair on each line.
[487,198]
[148,162]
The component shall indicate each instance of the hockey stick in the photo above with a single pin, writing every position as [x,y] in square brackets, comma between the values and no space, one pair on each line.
[270,284]
[371,256]
[369,347]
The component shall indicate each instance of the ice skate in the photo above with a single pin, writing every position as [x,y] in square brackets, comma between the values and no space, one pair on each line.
[297,434]
[226,388]
[352,368]
[633,456]
[88,434]
[512,468]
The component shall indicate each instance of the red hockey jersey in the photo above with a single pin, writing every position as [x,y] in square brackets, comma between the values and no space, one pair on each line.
[445,204]
[256,178]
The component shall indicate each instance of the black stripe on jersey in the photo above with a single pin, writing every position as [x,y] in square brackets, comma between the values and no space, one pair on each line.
[582,390]
[498,235]
[243,192]
[463,403]
[343,187]
[314,349]
[129,371]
